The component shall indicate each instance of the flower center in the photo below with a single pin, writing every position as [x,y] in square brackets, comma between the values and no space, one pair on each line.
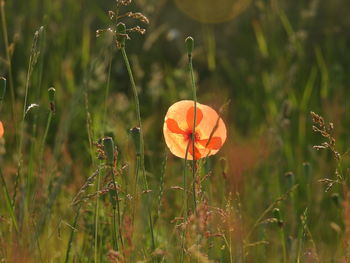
[188,136]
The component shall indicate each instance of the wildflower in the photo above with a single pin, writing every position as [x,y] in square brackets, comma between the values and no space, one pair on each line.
[1,129]
[210,130]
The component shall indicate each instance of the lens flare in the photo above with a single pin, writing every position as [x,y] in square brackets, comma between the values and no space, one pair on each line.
[211,12]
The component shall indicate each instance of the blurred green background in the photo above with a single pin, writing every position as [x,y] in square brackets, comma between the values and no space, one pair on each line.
[273,61]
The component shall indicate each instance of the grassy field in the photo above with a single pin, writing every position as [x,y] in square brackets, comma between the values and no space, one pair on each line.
[86,175]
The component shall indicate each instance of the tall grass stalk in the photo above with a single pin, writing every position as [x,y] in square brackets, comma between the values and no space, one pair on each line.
[185,202]
[98,185]
[32,61]
[138,114]
[9,205]
[48,123]
[96,219]
[116,197]
[109,150]
[277,215]
[89,133]
[190,45]
[9,64]
[42,147]
[2,91]
[268,209]
[135,137]
[71,236]
[141,146]
[161,183]
[107,95]
[31,179]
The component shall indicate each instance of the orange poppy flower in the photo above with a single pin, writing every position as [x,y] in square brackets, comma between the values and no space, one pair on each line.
[1,129]
[210,132]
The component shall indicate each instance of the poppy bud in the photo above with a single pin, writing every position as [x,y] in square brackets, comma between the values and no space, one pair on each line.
[307,171]
[108,145]
[135,136]
[290,178]
[52,93]
[336,199]
[2,88]
[121,30]
[189,45]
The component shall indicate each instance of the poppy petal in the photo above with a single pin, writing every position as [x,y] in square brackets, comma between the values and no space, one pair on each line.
[1,129]
[190,117]
[197,154]
[215,143]
[173,126]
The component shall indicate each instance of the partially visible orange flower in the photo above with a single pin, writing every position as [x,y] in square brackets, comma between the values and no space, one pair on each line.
[1,129]
[210,132]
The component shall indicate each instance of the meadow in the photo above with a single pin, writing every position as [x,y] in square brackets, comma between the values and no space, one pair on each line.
[105,104]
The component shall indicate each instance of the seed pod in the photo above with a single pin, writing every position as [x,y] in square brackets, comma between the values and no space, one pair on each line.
[336,199]
[307,171]
[121,34]
[108,145]
[290,178]
[52,93]
[135,136]
[189,45]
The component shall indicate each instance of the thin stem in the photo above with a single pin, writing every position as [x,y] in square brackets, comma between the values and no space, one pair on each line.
[141,147]
[96,218]
[284,249]
[114,223]
[268,209]
[229,247]
[185,202]
[135,188]
[106,95]
[118,207]
[99,176]
[48,123]
[193,83]
[71,236]
[32,61]
[138,114]
[8,201]
[8,58]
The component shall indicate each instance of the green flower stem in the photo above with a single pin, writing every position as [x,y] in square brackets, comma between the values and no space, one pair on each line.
[96,255]
[185,203]
[133,86]
[97,207]
[48,123]
[106,95]
[118,212]
[8,201]
[8,58]
[71,236]
[141,146]
[193,83]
